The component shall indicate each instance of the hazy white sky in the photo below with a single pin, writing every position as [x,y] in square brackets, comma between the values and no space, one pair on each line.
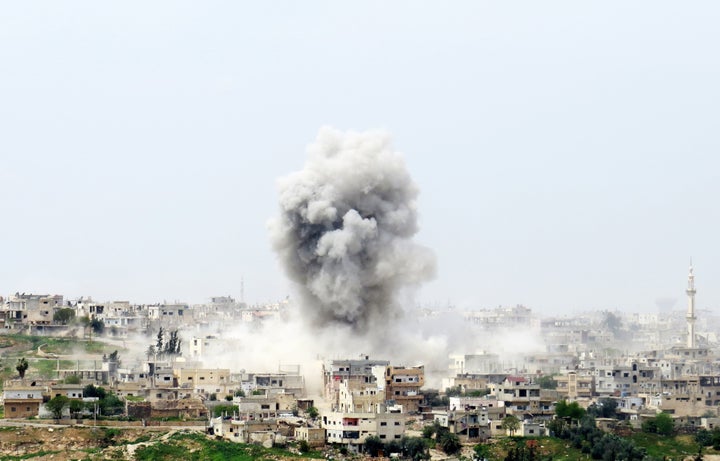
[567,153]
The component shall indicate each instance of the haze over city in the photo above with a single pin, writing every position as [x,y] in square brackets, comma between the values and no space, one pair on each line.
[565,153]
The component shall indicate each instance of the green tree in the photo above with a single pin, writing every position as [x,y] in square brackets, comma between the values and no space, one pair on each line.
[111,404]
[547,382]
[159,342]
[449,442]
[72,379]
[173,344]
[303,446]
[477,392]
[430,430]
[57,404]
[703,437]
[510,423]
[313,412]
[716,438]
[664,424]
[98,326]
[64,316]
[22,366]
[571,410]
[150,352]
[453,391]
[481,452]
[605,408]
[434,399]
[393,446]
[76,406]
[373,445]
[92,391]
[225,410]
[415,448]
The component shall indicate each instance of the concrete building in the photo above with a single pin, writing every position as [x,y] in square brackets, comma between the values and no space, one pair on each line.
[352,429]
[529,428]
[574,386]
[170,315]
[22,401]
[199,346]
[362,371]
[314,436]
[71,391]
[245,431]
[470,424]
[290,382]
[522,397]
[202,376]
[402,385]
[28,310]
[357,397]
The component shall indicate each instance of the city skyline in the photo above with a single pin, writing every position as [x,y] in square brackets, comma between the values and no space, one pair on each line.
[565,153]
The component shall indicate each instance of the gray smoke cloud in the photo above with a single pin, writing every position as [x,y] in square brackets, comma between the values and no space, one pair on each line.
[345,228]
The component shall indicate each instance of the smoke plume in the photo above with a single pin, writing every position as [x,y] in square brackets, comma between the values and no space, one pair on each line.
[345,228]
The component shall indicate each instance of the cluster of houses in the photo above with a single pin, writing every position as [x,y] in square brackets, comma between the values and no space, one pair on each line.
[643,363]
[37,314]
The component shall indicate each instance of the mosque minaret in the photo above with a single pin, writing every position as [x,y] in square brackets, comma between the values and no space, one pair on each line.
[690,317]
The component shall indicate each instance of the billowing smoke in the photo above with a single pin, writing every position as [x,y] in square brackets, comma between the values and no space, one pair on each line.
[345,229]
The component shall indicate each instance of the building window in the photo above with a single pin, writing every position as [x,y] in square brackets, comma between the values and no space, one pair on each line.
[383,423]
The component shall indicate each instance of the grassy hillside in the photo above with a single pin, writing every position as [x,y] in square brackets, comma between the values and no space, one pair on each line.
[659,446]
[43,354]
[197,447]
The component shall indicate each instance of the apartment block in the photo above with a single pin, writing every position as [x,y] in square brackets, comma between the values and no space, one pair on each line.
[402,384]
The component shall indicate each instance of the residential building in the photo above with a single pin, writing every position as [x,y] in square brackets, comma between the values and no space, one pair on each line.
[470,425]
[402,385]
[314,436]
[22,401]
[573,386]
[352,429]
[357,397]
[362,371]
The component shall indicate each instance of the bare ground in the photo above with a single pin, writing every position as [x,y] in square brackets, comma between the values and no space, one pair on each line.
[70,443]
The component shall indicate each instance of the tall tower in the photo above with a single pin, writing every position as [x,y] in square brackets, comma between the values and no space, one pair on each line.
[690,317]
